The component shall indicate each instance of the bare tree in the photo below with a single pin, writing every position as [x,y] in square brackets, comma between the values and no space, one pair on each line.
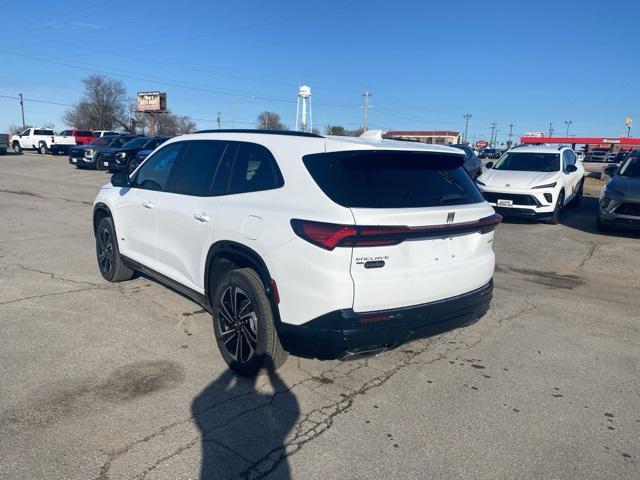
[103,105]
[270,121]
[16,129]
[170,124]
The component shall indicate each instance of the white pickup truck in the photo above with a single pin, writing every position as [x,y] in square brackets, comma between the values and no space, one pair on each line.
[39,139]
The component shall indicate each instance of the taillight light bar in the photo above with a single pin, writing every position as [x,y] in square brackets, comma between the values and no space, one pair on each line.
[331,235]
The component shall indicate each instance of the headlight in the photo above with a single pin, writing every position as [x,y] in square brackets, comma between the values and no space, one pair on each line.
[89,153]
[480,183]
[121,155]
[548,185]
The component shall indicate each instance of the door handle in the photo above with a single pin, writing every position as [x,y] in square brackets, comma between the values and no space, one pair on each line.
[147,204]
[201,217]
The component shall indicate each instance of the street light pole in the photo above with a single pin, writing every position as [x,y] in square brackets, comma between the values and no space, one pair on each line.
[568,123]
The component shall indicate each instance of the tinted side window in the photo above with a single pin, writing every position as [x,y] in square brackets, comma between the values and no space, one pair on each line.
[154,173]
[254,169]
[197,168]
[572,157]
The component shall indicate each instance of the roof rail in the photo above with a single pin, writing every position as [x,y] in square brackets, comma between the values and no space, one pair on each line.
[260,131]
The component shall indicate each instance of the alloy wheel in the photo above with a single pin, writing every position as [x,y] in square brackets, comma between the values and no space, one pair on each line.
[238,324]
[106,255]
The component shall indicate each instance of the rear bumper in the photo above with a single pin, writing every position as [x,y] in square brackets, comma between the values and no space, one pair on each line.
[55,149]
[345,332]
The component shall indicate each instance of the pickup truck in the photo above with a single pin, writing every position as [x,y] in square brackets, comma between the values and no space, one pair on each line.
[4,142]
[61,143]
[39,139]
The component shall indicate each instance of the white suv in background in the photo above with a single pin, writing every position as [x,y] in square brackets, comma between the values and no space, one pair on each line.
[297,242]
[533,181]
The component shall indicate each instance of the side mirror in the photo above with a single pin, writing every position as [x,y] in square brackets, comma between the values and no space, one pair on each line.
[571,169]
[120,179]
[610,170]
[489,165]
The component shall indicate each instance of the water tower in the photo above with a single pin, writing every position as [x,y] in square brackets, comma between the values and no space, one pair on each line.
[304,116]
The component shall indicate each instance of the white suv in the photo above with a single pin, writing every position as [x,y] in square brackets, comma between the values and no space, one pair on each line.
[300,243]
[533,181]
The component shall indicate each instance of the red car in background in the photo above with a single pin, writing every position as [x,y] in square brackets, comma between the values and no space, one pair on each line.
[82,137]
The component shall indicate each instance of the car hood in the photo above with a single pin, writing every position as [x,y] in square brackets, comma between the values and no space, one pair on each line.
[630,186]
[119,149]
[515,179]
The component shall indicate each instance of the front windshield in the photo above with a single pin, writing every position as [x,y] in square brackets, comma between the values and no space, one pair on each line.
[136,142]
[529,162]
[631,168]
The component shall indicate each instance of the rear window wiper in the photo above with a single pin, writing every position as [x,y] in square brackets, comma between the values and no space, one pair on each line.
[451,197]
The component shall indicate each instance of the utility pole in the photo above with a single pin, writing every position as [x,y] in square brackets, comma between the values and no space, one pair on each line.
[567,123]
[219,120]
[466,117]
[367,94]
[22,108]
[550,129]
[493,133]
[510,134]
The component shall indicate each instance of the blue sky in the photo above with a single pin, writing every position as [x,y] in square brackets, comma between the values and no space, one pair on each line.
[427,63]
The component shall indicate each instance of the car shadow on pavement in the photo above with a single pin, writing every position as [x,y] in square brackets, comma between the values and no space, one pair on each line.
[243,424]
[584,218]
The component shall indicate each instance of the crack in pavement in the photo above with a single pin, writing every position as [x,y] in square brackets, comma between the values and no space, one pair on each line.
[311,424]
[54,277]
[594,246]
[37,195]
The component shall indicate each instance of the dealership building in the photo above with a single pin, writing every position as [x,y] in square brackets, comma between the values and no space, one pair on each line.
[614,144]
[440,137]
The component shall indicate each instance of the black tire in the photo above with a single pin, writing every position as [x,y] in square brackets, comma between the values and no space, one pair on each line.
[42,148]
[243,324]
[108,254]
[557,212]
[17,149]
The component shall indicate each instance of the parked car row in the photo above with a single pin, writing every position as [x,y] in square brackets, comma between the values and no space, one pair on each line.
[540,181]
[120,153]
[44,140]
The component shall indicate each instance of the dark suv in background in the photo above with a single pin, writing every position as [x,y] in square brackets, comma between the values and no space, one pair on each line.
[119,159]
[84,156]
[472,164]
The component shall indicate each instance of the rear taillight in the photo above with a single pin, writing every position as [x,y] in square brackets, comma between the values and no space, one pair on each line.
[331,235]
[325,235]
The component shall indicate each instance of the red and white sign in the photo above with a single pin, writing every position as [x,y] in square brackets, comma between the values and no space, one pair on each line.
[482,144]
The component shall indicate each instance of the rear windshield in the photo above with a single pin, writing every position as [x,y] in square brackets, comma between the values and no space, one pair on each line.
[43,132]
[529,162]
[383,179]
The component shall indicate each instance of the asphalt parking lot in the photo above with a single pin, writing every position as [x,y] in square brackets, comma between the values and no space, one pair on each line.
[104,381]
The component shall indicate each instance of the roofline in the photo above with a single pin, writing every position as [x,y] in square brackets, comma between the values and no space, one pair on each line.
[261,131]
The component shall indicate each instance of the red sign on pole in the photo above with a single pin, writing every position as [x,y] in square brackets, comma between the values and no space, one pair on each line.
[482,144]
